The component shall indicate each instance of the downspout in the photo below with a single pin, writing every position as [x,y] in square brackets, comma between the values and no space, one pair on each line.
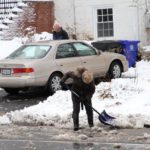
[146,11]
[138,21]
[74,21]
[146,3]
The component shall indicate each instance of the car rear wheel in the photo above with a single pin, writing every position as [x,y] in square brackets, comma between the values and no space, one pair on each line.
[115,70]
[12,91]
[54,83]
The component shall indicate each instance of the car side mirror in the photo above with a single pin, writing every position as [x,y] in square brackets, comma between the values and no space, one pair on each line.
[98,52]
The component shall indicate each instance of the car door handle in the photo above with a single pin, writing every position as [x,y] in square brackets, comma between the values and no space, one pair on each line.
[84,62]
[61,65]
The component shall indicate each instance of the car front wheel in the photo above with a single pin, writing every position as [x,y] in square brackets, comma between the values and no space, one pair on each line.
[115,70]
[54,83]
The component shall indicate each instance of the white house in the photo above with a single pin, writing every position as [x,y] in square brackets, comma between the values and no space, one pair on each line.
[105,19]
[86,19]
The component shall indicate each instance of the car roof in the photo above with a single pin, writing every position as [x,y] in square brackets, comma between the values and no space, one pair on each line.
[52,42]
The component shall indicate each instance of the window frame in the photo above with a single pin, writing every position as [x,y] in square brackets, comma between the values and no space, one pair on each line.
[109,24]
[87,46]
[56,57]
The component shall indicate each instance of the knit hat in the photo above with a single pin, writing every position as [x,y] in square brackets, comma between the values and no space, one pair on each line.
[87,77]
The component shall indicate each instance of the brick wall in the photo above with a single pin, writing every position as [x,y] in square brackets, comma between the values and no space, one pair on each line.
[42,16]
[38,14]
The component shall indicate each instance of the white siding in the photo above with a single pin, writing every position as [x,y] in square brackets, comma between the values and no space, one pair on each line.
[64,13]
[129,23]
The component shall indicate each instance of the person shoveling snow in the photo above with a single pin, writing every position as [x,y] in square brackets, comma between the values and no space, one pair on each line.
[83,84]
[82,90]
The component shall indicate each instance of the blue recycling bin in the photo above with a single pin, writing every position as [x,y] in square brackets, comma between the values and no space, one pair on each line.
[130,50]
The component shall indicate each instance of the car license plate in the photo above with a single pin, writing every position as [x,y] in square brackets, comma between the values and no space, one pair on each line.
[6,71]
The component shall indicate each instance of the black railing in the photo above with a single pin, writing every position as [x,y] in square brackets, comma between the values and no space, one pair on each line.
[6,5]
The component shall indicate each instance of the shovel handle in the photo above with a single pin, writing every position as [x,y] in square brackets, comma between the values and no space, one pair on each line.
[86,102]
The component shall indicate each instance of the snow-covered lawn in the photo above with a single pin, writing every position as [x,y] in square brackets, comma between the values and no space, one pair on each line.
[127,98]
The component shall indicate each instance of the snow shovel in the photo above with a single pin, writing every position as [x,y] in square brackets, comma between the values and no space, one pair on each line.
[103,117]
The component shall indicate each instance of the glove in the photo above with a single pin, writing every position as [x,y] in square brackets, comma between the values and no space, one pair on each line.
[64,86]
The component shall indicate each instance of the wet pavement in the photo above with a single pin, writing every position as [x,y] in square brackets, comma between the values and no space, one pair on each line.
[49,138]
[16,137]
[55,145]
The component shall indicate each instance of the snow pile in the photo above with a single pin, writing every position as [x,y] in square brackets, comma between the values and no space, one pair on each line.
[146,48]
[43,36]
[55,110]
[37,37]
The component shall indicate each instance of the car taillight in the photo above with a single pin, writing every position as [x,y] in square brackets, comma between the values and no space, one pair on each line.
[22,70]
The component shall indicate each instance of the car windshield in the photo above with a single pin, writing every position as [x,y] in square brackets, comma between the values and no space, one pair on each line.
[30,52]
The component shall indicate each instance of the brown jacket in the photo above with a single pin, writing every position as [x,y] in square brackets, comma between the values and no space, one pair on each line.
[84,90]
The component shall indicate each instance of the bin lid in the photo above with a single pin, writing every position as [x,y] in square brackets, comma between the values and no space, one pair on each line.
[128,41]
[106,44]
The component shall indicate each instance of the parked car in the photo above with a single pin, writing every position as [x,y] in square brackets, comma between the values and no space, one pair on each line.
[42,64]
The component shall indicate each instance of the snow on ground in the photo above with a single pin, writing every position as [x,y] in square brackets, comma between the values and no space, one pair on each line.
[146,48]
[7,47]
[127,98]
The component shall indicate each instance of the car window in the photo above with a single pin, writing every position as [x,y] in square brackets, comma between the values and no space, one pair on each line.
[30,52]
[83,49]
[65,51]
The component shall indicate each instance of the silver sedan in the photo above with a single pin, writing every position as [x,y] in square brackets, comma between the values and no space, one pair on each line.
[42,64]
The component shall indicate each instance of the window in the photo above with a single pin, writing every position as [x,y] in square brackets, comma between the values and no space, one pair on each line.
[83,49]
[105,22]
[30,52]
[65,51]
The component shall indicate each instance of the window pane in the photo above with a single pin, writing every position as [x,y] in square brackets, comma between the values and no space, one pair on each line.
[41,51]
[105,19]
[105,25]
[111,33]
[30,52]
[110,11]
[104,11]
[83,49]
[99,18]
[65,51]
[100,33]
[110,25]
[100,26]
[99,12]
[110,18]
[106,33]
